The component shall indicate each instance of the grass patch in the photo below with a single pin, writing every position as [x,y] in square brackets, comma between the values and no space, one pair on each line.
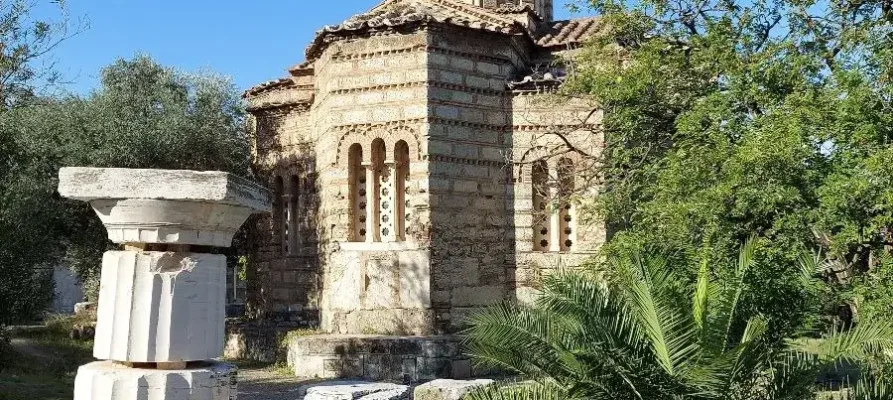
[45,361]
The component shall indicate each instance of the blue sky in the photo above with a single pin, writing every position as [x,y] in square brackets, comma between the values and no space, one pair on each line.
[250,41]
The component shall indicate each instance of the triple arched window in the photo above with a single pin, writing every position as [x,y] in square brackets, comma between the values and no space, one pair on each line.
[552,183]
[377,178]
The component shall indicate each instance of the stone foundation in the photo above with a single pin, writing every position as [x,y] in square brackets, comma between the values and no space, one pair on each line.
[379,358]
[259,340]
[105,380]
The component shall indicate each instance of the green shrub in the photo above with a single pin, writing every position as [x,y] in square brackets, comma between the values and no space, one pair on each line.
[643,333]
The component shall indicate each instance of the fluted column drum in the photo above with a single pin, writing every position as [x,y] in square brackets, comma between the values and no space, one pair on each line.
[160,307]
[105,380]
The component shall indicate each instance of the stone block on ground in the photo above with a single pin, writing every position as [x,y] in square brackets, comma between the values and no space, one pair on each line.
[448,389]
[106,380]
[355,390]
[85,308]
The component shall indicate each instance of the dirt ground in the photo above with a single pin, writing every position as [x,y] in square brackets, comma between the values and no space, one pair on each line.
[267,384]
[45,362]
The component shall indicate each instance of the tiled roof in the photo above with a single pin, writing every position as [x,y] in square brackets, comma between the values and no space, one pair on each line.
[394,13]
[513,8]
[269,85]
[568,33]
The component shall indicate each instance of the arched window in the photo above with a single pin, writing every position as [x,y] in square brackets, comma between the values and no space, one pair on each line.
[401,157]
[356,176]
[377,188]
[541,222]
[553,212]
[565,177]
[383,190]
[291,199]
[279,210]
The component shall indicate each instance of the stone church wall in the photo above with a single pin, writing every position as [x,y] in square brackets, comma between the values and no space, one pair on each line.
[282,280]
[469,228]
[373,89]
[467,144]
[538,120]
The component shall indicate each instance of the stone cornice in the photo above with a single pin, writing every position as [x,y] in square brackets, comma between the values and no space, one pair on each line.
[281,107]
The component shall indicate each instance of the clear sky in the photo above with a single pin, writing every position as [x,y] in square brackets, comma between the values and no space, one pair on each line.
[251,41]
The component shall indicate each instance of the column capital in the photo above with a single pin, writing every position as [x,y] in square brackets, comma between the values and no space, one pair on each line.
[166,206]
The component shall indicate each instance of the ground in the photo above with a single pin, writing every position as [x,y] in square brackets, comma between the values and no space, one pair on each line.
[45,361]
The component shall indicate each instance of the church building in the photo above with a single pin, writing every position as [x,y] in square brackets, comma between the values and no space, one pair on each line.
[409,161]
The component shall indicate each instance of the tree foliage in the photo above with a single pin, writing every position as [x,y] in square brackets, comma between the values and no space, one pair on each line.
[25,43]
[642,334]
[726,117]
[142,116]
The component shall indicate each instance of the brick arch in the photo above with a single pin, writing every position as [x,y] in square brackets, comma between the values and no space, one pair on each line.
[389,134]
[525,166]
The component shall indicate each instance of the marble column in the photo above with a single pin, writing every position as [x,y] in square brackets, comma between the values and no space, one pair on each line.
[160,317]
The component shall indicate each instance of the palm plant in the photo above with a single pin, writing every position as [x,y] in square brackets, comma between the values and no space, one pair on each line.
[643,335]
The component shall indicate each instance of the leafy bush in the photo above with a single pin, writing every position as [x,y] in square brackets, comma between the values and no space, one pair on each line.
[726,117]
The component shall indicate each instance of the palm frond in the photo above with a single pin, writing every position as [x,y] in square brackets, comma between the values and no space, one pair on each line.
[854,344]
[701,295]
[520,391]
[670,330]
[726,306]
[870,389]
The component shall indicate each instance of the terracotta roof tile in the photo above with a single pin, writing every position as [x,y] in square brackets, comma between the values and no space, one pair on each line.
[394,13]
[513,9]
[269,85]
[568,33]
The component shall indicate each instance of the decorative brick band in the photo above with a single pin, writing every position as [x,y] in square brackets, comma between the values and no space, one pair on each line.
[452,122]
[546,128]
[430,120]
[414,84]
[464,160]
[419,48]
[372,54]
[284,108]
[473,56]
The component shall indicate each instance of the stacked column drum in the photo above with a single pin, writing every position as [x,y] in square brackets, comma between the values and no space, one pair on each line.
[161,311]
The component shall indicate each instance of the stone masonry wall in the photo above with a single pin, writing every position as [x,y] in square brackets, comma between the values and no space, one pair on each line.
[370,89]
[283,280]
[537,121]
[469,109]
[469,223]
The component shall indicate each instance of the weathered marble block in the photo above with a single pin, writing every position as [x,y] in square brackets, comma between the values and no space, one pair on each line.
[105,380]
[448,389]
[160,307]
[165,206]
[349,390]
